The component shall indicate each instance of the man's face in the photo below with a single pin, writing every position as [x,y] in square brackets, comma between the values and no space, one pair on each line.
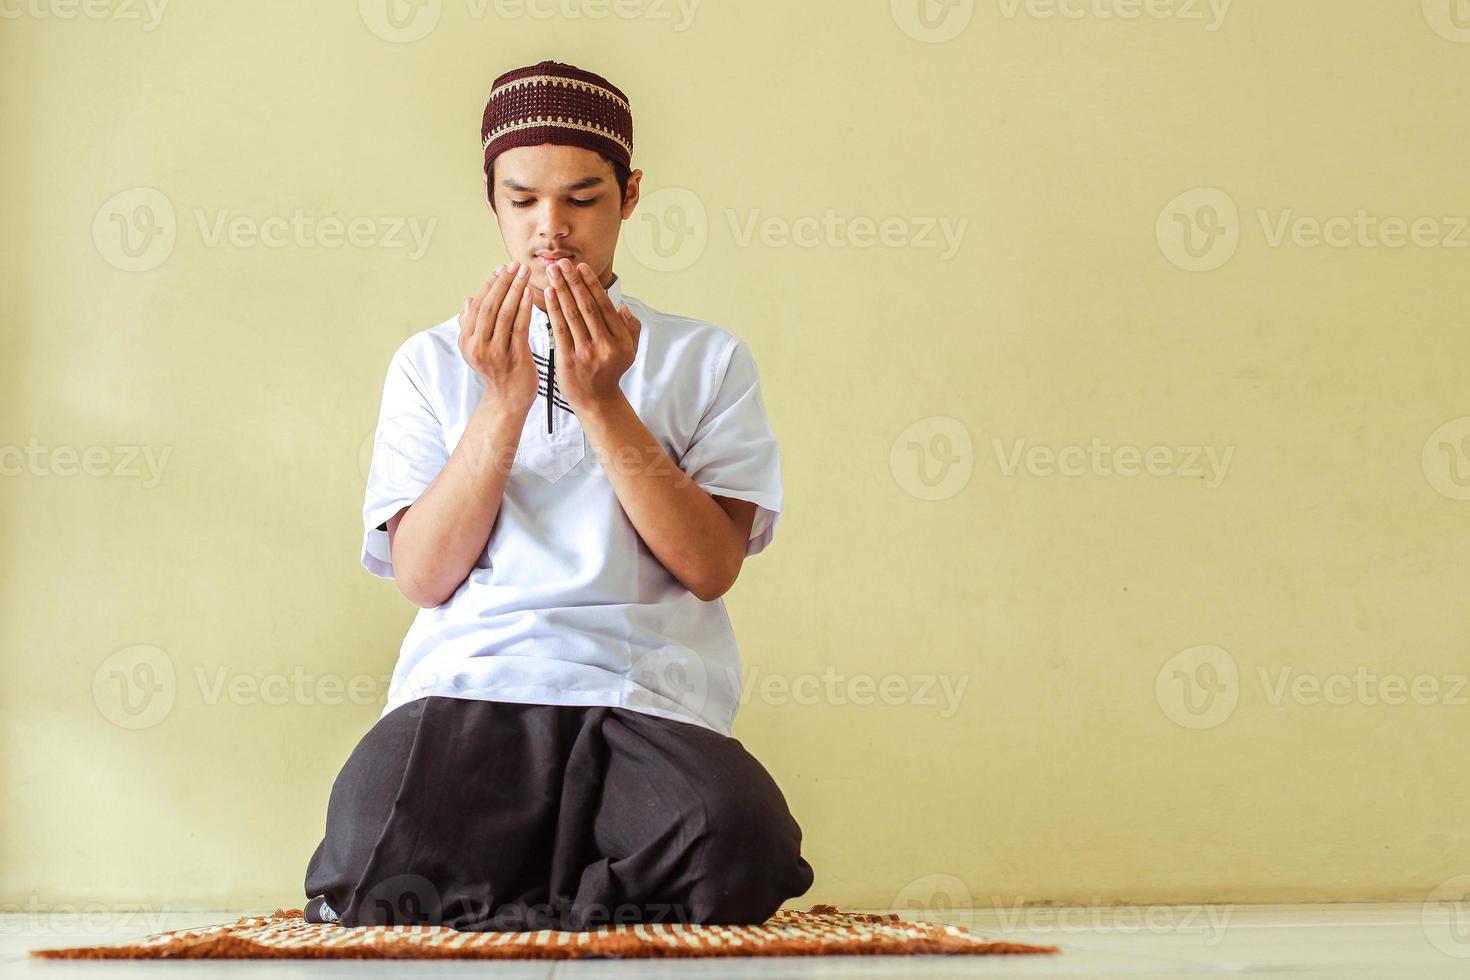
[559,199]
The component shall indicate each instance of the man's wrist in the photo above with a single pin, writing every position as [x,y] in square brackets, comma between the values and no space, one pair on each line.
[492,438]
[501,417]
[603,409]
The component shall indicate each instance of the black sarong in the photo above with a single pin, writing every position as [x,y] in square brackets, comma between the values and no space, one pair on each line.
[498,815]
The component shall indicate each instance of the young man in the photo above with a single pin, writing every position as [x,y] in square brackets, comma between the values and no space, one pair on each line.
[565,480]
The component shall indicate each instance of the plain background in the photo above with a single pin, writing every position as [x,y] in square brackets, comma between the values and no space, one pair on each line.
[176,650]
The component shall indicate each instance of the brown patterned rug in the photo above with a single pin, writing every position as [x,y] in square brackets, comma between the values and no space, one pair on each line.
[822,931]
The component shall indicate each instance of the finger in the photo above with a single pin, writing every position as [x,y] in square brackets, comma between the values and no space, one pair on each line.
[630,322]
[510,307]
[568,304]
[520,337]
[477,303]
[587,309]
[490,305]
[472,312]
[608,317]
[558,323]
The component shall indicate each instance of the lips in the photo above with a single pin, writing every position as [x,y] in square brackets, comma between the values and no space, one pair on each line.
[553,256]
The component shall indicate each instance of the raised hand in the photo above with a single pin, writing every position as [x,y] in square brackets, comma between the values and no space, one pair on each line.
[596,342]
[494,338]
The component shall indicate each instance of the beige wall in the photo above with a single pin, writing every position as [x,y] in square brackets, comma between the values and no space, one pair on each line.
[1112,645]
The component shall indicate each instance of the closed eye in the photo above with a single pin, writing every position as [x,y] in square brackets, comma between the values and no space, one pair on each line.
[580,202]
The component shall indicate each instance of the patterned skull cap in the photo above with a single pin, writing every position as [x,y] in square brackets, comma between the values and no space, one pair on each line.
[552,102]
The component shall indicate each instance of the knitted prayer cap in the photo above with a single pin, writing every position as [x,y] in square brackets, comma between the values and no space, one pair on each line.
[551,102]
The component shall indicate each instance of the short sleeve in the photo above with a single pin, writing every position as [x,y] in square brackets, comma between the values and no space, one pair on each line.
[734,452]
[408,452]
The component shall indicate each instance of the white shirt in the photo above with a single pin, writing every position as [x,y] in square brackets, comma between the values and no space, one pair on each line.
[567,605]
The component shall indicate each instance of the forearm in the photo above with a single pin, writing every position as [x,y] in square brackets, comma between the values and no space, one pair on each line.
[445,532]
[687,531]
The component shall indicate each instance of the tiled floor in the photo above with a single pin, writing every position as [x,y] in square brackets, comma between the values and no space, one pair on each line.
[1407,941]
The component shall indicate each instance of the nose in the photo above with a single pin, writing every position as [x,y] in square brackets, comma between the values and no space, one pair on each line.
[553,223]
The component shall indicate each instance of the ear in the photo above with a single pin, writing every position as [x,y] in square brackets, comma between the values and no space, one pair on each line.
[631,200]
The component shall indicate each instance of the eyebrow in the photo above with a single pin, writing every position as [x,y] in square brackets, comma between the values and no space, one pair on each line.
[512,184]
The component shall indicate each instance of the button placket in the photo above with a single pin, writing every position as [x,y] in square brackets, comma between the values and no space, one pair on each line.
[550,455]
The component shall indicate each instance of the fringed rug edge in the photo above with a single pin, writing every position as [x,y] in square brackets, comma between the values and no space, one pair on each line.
[607,947]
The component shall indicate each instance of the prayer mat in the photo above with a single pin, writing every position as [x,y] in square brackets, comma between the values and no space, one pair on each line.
[822,931]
